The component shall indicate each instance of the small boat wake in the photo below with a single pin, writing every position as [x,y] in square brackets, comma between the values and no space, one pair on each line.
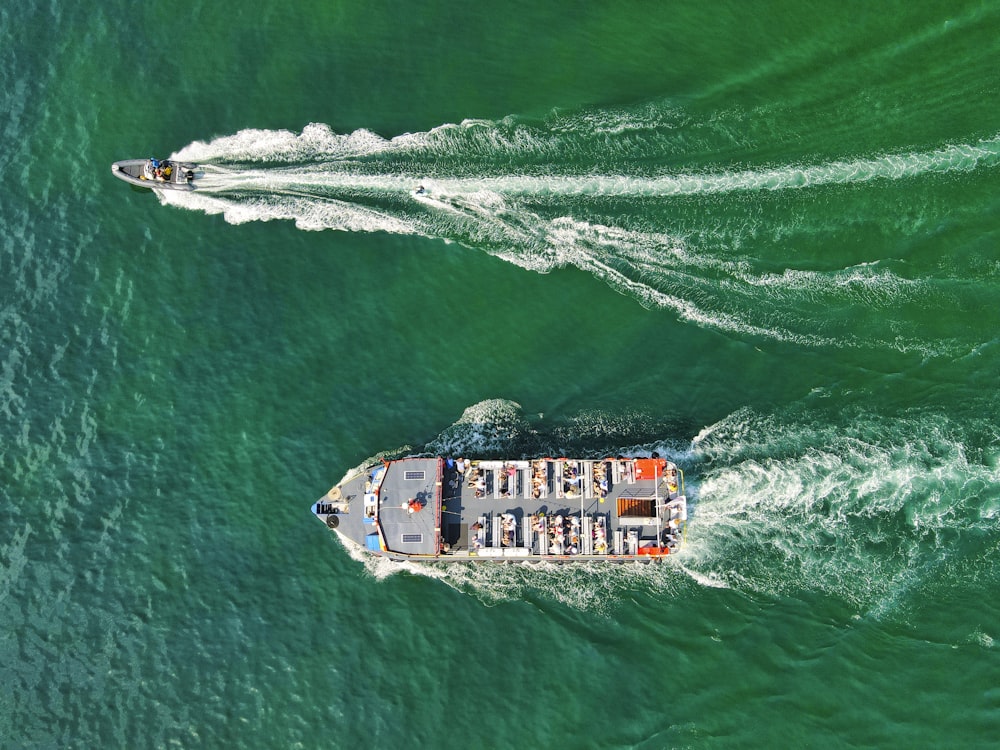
[605,196]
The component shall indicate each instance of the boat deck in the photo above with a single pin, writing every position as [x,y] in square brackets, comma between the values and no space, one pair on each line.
[451,509]
[141,173]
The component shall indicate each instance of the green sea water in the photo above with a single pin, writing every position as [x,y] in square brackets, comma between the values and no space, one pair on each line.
[762,239]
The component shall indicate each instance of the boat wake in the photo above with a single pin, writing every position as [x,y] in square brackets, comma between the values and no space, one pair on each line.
[603,193]
[878,512]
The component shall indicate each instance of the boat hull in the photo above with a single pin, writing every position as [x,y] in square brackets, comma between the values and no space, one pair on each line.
[140,173]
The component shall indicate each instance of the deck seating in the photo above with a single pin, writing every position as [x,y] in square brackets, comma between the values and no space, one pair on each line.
[600,536]
[512,485]
[571,479]
[478,540]
[508,530]
[518,478]
[540,479]
[600,480]
[526,487]
[497,531]
[477,481]
[633,542]
[557,534]
[574,542]
[623,471]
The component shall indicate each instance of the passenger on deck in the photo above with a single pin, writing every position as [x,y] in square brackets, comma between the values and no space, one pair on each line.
[509,529]
[570,485]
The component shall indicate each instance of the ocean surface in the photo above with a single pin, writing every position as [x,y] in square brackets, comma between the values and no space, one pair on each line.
[762,239]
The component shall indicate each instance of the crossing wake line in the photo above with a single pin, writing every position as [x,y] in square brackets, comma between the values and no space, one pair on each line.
[331,164]
[602,195]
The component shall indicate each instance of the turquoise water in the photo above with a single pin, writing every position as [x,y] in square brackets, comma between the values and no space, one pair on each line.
[760,239]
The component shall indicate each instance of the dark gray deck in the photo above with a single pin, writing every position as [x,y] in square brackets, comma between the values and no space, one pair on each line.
[567,509]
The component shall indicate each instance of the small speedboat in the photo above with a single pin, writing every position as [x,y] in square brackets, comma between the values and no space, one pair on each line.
[157,174]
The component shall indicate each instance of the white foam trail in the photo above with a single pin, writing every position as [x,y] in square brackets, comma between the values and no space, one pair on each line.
[361,182]
[865,512]
[652,267]
[708,580]
[891,167]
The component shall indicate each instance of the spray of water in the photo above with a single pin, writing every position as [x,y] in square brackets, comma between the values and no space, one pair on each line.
[595,191]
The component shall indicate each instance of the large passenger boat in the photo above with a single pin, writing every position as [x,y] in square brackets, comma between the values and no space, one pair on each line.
[559,509]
